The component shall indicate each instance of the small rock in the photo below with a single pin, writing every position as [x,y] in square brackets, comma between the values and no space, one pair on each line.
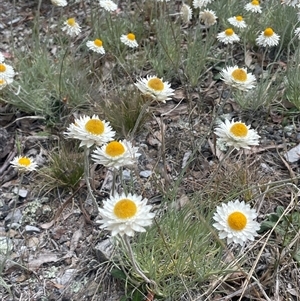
[145,173]
[14,216]
[32,229]
[5,245]
[66,277]
[126,175]
[14,226]
[104,250]
[23,193]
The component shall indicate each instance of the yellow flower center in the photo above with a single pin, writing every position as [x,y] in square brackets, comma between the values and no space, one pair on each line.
[98,43]
[2,82]
[255,2]
[24,161]
[95,126]
[156,84]
[229,32]
[239,18]
[239,129]
[71,22]
[115,149]
[268,32]
[125,208]
[239,75]
[237,221]
[131,37]
[2,68]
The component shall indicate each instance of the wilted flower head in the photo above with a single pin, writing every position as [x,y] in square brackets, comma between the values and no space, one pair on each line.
[235,221]
[108,5]
[237,134]
[253,7]
[125,214]
[201,3]
[228,36]
[59,2]
[268,38]
[208,17]
[116,154]
[238,78]
[155,87]
[23,164]
[90,130]
[186,13]
[71,27]
[129,40]
[96,46]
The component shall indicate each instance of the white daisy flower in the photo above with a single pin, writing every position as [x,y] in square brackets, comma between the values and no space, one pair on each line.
[23,164]
[201,3]
[6,71]
[186,13]
[297,32]
[59,2]
[129,40]
[71,27]
[237,134]
[268,38]
[108,5]
[90,131]
[125,214]
[116,154]
[208,17]
[2,58]
[253,7]
[237,21]
[5,82]
[228,36]
[238,78]
[235,221]
[155,87]
[96,46]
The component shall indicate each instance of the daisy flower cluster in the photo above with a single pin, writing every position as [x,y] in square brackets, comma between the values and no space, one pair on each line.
[7,73]
[121,214]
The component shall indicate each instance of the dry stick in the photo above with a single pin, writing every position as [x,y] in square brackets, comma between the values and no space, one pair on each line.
[287,210]
[87,177]
[125,239]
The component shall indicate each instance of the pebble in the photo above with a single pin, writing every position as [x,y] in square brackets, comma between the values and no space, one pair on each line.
[126,175]
[23,193]
[104,250]
[32,229]
[14,216]
[66,277]
[5,245]
[145,173]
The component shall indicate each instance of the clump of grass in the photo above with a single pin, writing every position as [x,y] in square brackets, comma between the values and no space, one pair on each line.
[65,169]
[126,111]
[179,253]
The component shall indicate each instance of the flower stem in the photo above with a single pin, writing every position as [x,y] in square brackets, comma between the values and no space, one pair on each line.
[87,176]
[126,241]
